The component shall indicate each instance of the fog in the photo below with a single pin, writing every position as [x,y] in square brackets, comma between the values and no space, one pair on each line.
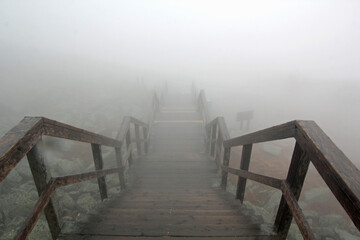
[89,63]
[283,59]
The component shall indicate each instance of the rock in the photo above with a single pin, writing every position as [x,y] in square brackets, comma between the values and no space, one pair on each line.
[317,195]
[86,202]
[344,235]
[310,214]
[112,180]
[332,220]
[113,191]
[13,178]
[90,187]
[66,167]
[272,203]
[23,169]
[323,232]
[41,230]
[68,202]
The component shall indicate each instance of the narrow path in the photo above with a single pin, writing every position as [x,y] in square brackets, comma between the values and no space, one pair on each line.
[173,191]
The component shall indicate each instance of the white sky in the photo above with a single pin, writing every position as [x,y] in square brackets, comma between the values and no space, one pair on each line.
[201,39]
[277,52]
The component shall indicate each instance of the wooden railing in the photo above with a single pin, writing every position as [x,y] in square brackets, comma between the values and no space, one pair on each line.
[26,139]
[312,145]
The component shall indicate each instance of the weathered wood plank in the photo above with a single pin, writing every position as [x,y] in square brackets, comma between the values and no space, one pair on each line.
[109,237]
[38,169]
[76,178]
[61,130]
[296,177]
[124,128]
[300,219]
[119,162]
[175,230]
[244,165]
[339,173]
[49,190]
[98,162]
[278,132]
[223,129]
[269,181]
[137,122]
[224,174]
[128,146]
[213,137]
[16,143]
[204,106]
[28,226]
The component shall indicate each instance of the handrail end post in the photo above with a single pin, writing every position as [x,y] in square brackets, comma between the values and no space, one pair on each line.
[224,174]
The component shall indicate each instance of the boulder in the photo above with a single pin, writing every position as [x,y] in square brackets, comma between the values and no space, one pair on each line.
[344,235]
[90,187]
[68,202]
[86,202]
[317,195]
[332,220]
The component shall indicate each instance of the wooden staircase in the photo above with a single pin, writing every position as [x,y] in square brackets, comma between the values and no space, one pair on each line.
[176,187]
[173,192]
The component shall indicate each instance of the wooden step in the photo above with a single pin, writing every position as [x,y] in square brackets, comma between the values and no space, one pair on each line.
[171,193]
[104,237]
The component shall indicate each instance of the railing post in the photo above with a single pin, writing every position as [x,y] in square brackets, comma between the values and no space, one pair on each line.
[226,160]
[244,165]
[208,138]
[98,162]
[120,165]
[212,140]
[218,149]
[37,165]
[296,177]
[128,143]
[146,140]
[137,136]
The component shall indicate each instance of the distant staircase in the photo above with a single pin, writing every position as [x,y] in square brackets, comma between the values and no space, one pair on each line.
[173,189]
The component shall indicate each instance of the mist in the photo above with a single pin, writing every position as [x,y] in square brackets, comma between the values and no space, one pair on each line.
[287,60]
[89,63]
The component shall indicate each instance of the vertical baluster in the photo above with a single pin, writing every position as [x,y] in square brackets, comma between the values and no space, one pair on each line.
[212,140]
[37,165]
[128,143]
[218,149]
[244,165]
[146,139]
[295,178]
[98,161]
[226,160]
[208,138]
[118,155]
[137,136]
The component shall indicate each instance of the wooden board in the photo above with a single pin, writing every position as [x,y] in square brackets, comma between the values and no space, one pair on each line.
[171,194]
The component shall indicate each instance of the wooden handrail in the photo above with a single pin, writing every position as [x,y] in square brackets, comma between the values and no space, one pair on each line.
[203,107]
[49,190]
[312,144]
[16,143]
[24,139]
[283,131]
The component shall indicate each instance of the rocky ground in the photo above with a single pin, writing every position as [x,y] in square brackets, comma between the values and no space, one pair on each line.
[63,157]
[101,114]
[325,215]
[19,195]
